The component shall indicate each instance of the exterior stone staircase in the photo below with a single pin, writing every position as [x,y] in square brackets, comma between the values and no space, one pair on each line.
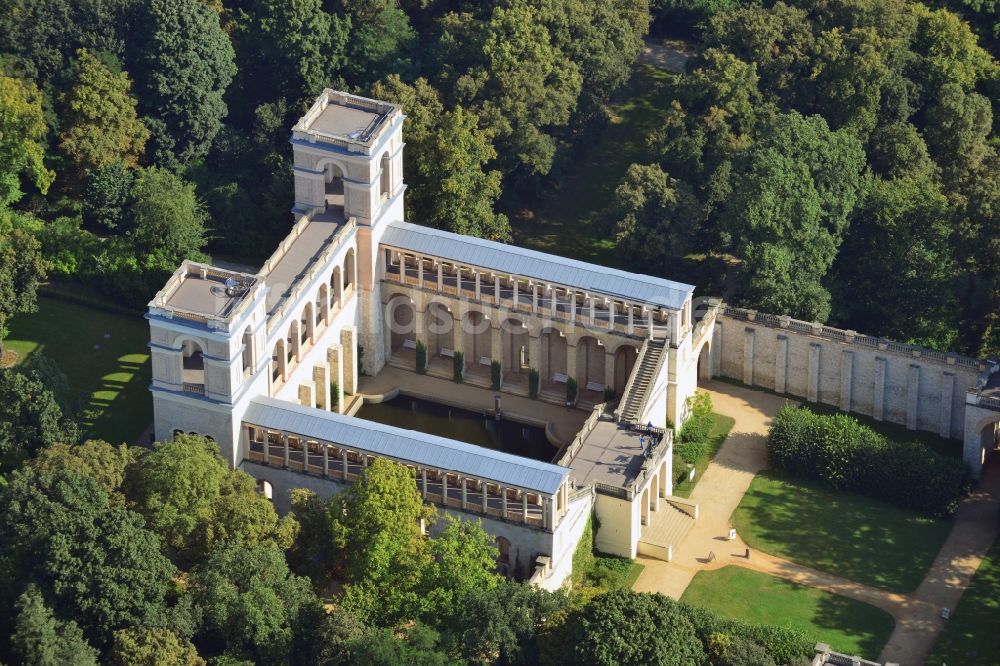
[667,527]
[637,390]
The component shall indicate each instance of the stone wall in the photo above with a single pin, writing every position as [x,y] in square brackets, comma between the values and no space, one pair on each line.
[918,388]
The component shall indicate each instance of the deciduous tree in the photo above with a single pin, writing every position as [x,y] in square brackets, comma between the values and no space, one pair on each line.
[100,125]
[152,647]
[22,139]
[183,63]
[41,639]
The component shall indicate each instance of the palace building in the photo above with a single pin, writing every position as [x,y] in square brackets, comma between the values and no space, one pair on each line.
[267,363]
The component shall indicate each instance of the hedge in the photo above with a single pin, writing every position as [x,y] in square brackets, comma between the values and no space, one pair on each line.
[785,646]
[843,454]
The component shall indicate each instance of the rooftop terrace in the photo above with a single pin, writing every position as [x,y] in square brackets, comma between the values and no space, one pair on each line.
[346,121]
[201,292]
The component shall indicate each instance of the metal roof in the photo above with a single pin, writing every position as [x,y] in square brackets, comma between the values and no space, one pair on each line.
[513,260]
[410,446]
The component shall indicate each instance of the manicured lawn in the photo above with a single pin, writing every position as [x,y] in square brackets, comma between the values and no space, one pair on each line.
[113,379]
[842,533]
[972,635]
[721,425]
[846,625]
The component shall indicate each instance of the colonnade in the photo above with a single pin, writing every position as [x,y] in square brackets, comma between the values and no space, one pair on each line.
[437,486]
[558,302]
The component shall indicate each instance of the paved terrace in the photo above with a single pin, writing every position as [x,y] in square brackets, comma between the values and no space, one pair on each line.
[299,256]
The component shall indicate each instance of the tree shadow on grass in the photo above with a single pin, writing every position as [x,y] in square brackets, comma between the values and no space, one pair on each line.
[842,533]
[869,626]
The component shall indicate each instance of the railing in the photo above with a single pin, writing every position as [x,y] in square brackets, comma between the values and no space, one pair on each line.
[614,491]
[588,426]
[652,382]
[315,267]
[987,401]
[849,337]
[623,402]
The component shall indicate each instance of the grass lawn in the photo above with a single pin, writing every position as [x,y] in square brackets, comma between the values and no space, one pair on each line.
[972,635]
[113,380]
[847,625]
[842,533]
[721,425]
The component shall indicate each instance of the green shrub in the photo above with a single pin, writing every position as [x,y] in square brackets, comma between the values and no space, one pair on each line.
[421,358]
[533,383]
[691,452]
[495,375]
[458,367]
[843,454]
[784,646]
[334,395]
[571,390]
[680,468]
[699,423]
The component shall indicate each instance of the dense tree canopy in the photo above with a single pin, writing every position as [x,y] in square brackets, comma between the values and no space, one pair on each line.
[22,130]
[100,124]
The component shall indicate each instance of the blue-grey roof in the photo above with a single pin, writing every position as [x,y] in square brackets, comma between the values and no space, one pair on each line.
[513,260]
[409,446]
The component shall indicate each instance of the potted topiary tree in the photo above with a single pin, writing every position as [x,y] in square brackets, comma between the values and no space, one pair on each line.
[421,358]
[495,375]
[533,382]
[570,392]
[458,367]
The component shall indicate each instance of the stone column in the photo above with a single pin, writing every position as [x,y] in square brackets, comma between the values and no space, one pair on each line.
[322,386]
[947,397]
[878,406]
[748,351]
[570,359]
[524,506]
[846,378]
[343,463]
[423,483]
[465,491]
[534,298]
[535,353]
[306,397]
[913,397]
[630,327]
[350,359]
[517,285]
[458,336]
[485,495]
[503,501]
[812,391]
[334,358]
[305,455]
[611,313]
[593,311]
[553,300]
[496,350]
[402,268]
[609,368]
[284,444]
[478,284]
[496,290]
[326,460]
[420,272]
[267,447]
[780,364]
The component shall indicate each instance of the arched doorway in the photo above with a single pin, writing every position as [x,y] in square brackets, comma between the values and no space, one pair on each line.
[402,320]
[478,345]
[193,367]
[385,181]
[335,199]
[515,357]
[552,365]
[625,357]
[439,335]
[590,368]
[278,359]
[705,362]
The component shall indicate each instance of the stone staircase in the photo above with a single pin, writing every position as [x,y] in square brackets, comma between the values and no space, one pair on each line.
[643,375]
[667,527]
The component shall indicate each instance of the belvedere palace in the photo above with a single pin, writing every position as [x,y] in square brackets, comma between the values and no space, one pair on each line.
[272,364]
